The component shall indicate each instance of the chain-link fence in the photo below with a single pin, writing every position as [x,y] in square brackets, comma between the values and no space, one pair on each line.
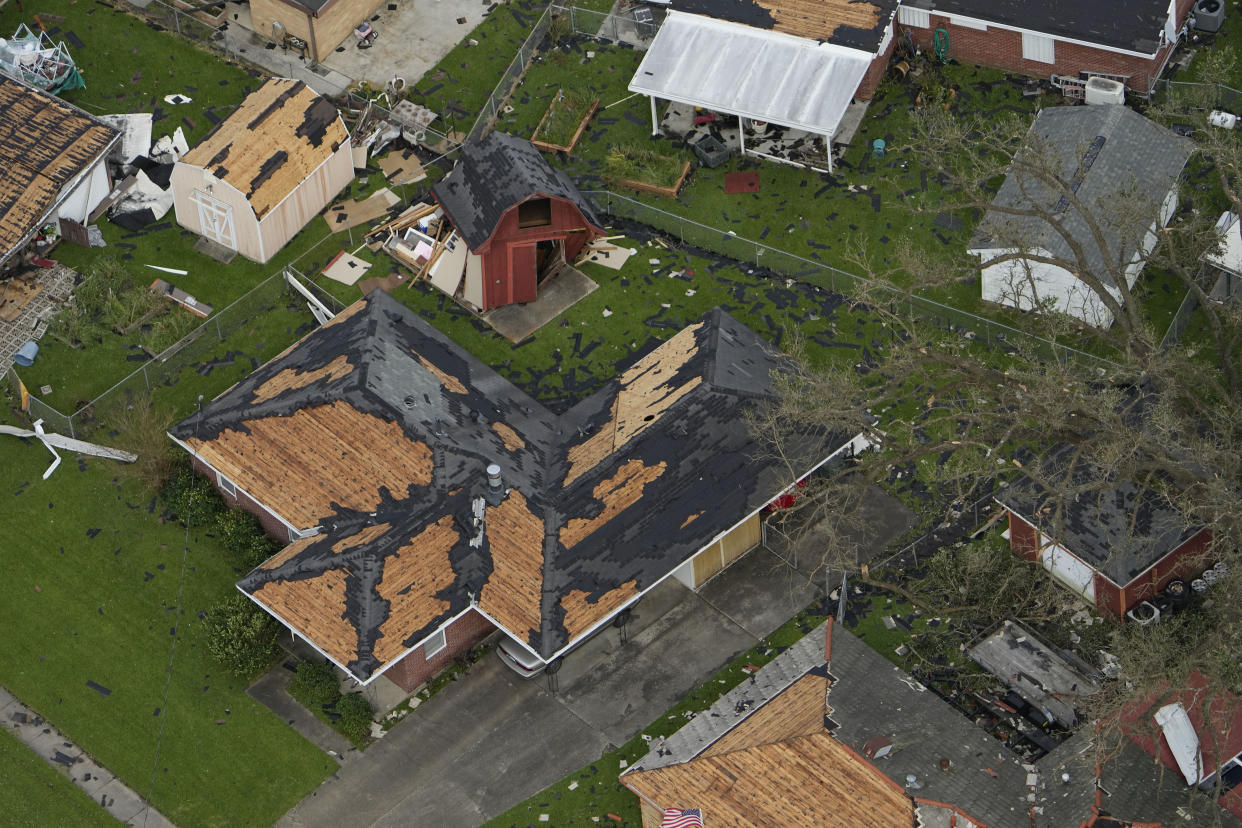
[496,102]
[184,23]
[1201,95]
[636,25]
[164,368]
[727,243]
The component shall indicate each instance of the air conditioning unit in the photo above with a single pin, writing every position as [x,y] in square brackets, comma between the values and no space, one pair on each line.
[1209,15]
[1105,91]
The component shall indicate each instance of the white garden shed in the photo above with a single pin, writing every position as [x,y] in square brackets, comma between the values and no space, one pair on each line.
[263,173]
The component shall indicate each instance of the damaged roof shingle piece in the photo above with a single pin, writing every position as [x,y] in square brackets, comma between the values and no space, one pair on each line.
[396,479]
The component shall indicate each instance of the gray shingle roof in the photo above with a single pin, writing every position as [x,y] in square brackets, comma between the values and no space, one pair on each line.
[1135,153]
[494,174]
[407,373]
[1134,25]
[730,709]
[1120,531]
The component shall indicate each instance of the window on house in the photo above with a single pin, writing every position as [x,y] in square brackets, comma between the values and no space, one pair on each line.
[227,486]
[1039,48]
[434,644]
[535,213]
[918,18]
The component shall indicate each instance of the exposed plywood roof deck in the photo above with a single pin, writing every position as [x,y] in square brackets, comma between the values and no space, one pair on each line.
[392,439]
[44,144]
[858,24]
[278,136]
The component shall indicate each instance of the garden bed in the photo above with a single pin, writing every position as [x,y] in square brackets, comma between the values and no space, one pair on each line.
[562,126]
[643,169]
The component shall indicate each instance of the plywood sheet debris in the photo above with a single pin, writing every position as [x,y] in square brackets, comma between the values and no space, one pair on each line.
[352,213]
[346,268]
[604,252]
[402,167]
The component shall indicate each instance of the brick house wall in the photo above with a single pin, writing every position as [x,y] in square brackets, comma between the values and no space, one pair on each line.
[875,72]
[413,671]
[1023,538]
[1183,563]
[1002,49]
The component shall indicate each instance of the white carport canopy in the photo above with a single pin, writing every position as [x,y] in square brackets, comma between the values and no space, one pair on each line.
[753,73]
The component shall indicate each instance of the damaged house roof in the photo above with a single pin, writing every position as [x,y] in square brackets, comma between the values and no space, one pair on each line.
[1120,530]
[858,24]
[1104,153]
[1135,25]
[280,134]
[45,144]
[492,175]
[379,429]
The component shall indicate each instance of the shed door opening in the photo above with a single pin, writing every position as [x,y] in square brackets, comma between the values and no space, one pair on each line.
[215,220]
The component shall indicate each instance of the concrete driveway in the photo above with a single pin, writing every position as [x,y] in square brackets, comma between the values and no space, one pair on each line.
[492,739]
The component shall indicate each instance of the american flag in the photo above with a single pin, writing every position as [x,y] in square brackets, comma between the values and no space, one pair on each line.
[682,818]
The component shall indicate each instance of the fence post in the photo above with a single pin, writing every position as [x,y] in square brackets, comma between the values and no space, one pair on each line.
[145,377]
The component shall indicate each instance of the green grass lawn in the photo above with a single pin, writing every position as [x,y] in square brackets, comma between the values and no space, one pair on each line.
[587,796]
[637,306]
[93,596]
[34,793]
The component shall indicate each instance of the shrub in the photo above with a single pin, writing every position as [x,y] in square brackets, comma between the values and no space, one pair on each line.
[241,636]
[141,427]
[243,536]
[315,684]
[190,497]
[355,717]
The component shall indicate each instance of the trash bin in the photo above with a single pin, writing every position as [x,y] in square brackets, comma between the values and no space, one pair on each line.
[26,354]
[877,147]
[710,152]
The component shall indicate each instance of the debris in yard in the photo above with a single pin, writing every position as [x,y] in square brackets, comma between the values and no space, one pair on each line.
[624,764]
[45,390]
[39,61]
[544,817]
[177,98]
[653,261]
[690,291]
[99,688]
[346,268]
[889,623]
[179,296]
[607,312]
[173,270]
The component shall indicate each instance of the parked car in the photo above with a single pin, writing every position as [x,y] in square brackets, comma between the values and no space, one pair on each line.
[521,660]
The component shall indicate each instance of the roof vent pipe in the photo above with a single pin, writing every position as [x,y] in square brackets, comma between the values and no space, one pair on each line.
[495,485]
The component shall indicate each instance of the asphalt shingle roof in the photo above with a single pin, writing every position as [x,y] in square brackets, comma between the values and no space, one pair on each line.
[379,429]
[1119,530]
[1108,151]
[1134,25]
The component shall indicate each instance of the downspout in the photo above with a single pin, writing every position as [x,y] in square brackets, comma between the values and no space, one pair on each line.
[310,28]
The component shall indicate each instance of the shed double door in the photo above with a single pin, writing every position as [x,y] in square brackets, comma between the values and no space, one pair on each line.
[215,220]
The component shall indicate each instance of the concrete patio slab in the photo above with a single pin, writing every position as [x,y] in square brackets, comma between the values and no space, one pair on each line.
[556,295]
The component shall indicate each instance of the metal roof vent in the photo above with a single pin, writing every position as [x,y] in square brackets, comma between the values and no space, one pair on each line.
[495,493]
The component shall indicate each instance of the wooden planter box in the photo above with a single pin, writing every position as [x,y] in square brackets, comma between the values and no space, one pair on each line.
[644,187]
[547,147]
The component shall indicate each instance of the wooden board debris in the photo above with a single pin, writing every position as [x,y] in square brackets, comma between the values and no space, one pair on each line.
[346,268]
[182,298]
[347,214]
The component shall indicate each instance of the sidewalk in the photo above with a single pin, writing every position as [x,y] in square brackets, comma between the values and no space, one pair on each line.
[94,779]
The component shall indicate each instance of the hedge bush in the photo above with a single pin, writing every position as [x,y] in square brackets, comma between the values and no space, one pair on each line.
[315,684]
[243,535]
[355,717]
[241,636]
[190,497]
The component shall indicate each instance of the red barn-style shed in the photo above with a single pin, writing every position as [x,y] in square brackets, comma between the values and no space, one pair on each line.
[518,215]
[1115,544]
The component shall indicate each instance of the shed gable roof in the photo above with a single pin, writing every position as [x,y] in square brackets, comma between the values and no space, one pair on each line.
[280,134]
[1105,153]
[493,175]
[44,144]
[600,503]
